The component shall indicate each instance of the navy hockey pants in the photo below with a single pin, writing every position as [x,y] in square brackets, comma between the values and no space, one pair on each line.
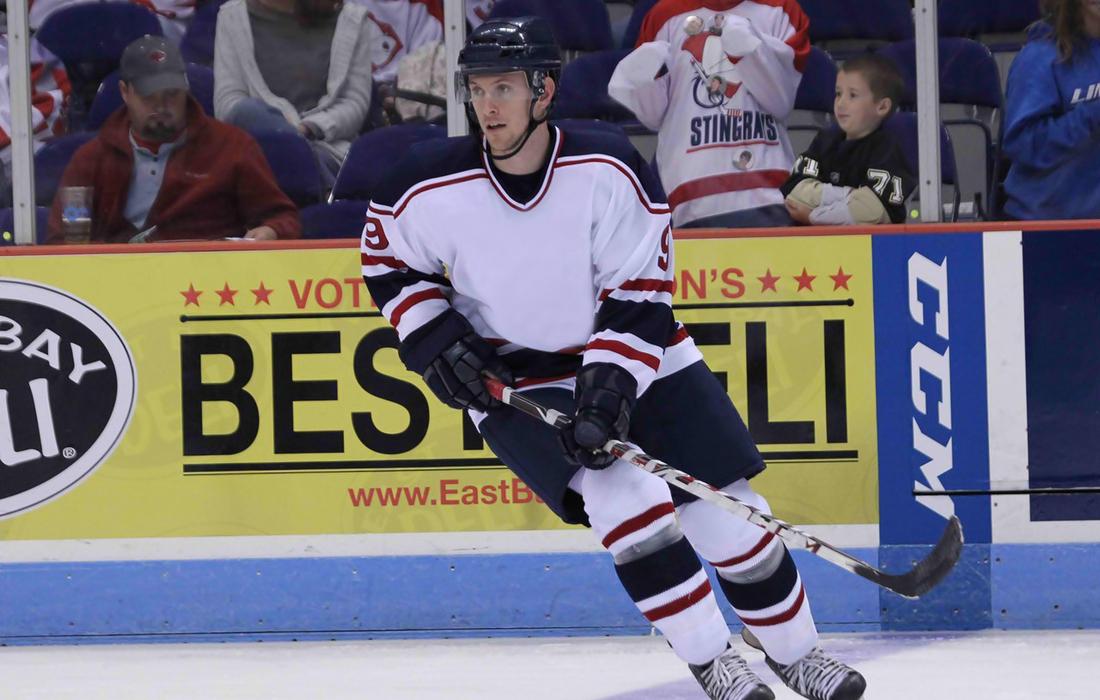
[685,419]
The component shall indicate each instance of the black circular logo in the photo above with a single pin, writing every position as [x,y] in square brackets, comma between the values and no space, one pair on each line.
[67,390]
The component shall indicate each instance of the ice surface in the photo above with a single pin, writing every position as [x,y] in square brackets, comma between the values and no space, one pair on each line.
[988,665]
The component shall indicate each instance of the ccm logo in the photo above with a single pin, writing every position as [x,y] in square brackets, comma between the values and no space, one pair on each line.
[930,370]
[67,389]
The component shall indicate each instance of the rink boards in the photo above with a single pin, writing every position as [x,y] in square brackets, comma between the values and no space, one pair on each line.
[210,442]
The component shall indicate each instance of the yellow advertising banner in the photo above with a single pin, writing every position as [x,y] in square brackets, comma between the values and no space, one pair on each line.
[259,392]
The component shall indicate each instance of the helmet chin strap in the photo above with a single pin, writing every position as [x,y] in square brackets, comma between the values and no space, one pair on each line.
[532,124]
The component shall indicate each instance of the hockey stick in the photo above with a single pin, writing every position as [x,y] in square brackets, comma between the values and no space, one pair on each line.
[916,582]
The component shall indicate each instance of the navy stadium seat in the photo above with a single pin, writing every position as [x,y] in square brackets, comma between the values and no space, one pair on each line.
[107,98]
[968,72]
[89,39]
[875,20]
[817,89]
[583,90]
[50,162]
[972,18]
[294,164]
[579,25]
[342,219]
[198,42]
[373,153]
[634,26]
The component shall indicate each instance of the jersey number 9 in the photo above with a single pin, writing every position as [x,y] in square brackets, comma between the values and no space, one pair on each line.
[374,236]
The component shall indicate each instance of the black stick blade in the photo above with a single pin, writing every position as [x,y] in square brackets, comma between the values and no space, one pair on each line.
[929,571]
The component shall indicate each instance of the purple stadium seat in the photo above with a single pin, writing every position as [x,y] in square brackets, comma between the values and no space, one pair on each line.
[878,20]
[295,166]
[971,18]
[817,90]
[579,25]
[583,92]
[373,152]
[634,26]
[198,43]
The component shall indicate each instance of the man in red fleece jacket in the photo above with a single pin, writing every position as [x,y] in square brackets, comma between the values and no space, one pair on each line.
[161,169]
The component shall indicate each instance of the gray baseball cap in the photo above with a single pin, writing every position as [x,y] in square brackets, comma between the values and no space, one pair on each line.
[151,64]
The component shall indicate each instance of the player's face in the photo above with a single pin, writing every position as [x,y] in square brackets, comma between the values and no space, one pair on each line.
[857,111]
[159,116]
[502,103]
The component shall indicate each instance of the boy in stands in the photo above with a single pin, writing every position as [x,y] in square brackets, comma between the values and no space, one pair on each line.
[856,172]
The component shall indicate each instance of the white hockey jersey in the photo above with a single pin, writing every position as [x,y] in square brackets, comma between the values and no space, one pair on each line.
[722,143]
[581,273]
[49,92]
[404,26]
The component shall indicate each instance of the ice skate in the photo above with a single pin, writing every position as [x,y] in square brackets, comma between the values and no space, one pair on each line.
[729,677]
[816,675]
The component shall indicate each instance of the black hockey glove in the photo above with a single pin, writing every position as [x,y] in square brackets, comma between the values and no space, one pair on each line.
[455,375]
[605,397]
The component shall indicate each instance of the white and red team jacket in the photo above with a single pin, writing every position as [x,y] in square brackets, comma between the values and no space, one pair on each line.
[581,273]
[49,92]
[722,142]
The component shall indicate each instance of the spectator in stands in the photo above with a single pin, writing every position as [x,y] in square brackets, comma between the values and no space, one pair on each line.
[49,95]
[856,172]
[295,65]
[717,80]
[1052,116]
[162,169]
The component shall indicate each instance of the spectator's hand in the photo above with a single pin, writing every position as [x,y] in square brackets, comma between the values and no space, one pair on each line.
[605,398]
[645,63]
[738,37]
[455,376]
[311,131]
[261,233]
[798,211]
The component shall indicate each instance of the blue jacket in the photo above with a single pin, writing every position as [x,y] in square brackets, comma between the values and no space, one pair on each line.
[1052,131]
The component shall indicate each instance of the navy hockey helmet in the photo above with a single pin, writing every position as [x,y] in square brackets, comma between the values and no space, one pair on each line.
[505,45]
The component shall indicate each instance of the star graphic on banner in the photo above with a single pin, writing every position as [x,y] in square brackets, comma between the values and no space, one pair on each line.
[227,295]
[191,295]
[768,282]
[840,279]
[805,281]
[262,294]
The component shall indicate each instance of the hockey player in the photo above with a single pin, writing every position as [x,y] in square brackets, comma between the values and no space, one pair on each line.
[721,154]
[543,256]
[855,173]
